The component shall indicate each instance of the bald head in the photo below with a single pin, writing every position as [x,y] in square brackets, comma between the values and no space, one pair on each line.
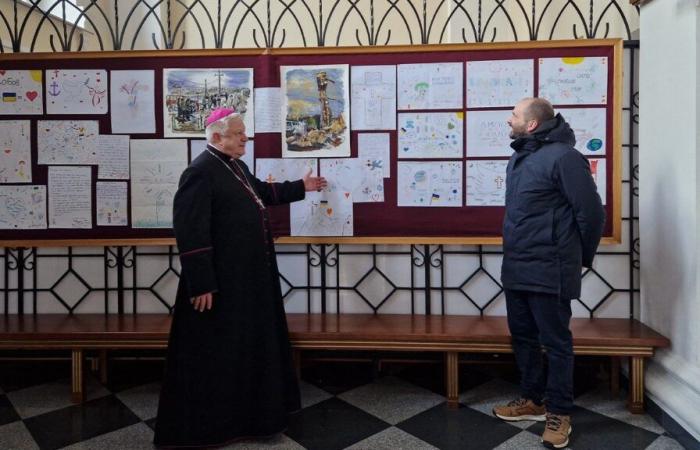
[528,115]
[537,109]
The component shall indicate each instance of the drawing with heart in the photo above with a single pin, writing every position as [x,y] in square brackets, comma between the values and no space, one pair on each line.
[31,95]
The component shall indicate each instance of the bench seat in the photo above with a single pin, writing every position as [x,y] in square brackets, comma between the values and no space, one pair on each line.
[450,335]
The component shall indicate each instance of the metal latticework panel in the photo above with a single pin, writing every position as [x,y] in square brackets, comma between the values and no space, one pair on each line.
[432,279]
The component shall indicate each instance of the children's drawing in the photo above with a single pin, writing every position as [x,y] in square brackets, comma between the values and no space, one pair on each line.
[499,83]
[373,97]
[22,207]
[156,166]
[67,141]
[486,183]
[132,100]
[431,135]
[430,86]
[76,91]
[15,152]
[21,92]
[574,80]
[431,183]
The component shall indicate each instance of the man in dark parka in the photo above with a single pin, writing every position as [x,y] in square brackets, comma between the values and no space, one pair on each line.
[229,371]
[553,223]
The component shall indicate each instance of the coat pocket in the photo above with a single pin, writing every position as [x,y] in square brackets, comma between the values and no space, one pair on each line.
[535,231]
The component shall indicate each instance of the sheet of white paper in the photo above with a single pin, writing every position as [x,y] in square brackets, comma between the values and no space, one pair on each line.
[197,146]
[276,170]
[430,86]
[268,110]
[431,135]
[249,156]
[589,128]
[486,182]
[111,203]
[488,133]
[22,207]
[156,166]
[113,157]
[70,197]
[322,214]
[132,101]
[499,83]
[373,97]
[432,184]
[574,81]
[600,176]
[80,91]
[21,92]
[15,154]
[374,150]
[351,177]
[67,141]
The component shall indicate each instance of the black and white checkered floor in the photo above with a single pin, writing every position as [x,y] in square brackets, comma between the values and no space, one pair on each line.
[345,405]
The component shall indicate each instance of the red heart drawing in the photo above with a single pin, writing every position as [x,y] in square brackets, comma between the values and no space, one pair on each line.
[347,194]
[2,72]
[31,95]
[8,151]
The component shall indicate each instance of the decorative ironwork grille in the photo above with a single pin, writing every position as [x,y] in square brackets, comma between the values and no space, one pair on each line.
[431,279]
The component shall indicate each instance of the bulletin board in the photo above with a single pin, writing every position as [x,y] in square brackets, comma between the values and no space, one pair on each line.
[375,222]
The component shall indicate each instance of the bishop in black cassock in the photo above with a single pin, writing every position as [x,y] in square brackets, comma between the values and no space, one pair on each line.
[229,372]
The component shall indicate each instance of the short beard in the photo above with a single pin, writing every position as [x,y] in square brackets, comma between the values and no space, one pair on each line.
[516,134]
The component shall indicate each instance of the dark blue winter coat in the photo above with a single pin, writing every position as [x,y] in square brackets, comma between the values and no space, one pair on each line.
[554,217]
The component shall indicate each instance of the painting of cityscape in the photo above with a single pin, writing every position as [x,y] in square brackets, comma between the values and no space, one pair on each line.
[189,95]
[316,106]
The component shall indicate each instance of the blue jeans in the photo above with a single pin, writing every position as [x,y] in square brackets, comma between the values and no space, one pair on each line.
[539,320]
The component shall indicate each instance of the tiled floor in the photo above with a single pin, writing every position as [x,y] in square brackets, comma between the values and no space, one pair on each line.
[345,405]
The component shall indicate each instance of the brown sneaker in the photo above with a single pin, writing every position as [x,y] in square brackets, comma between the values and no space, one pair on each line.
[556,431]
[520,409]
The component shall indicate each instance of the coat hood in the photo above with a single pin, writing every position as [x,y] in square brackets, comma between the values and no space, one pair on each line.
[553,130]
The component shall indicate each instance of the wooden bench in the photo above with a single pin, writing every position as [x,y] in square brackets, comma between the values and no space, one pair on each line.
[450,335]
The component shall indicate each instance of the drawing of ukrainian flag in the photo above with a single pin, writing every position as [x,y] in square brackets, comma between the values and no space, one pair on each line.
[9,97]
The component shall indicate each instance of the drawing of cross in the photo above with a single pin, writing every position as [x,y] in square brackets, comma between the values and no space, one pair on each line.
[379,90]
[218,75]
[499,181]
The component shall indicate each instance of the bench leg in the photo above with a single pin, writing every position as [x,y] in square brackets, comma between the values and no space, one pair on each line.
[103,366]
[635,402]
[615,376]
[296,360]
[452,379]
[78,383]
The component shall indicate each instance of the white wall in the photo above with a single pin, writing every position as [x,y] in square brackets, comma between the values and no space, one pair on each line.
[669,165]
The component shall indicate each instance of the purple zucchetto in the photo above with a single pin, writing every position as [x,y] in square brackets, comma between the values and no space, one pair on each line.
[219,113]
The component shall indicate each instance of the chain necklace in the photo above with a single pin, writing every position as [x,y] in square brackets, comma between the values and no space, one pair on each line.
[244,181]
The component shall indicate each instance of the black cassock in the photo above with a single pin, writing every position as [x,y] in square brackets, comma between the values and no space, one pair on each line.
[229,370]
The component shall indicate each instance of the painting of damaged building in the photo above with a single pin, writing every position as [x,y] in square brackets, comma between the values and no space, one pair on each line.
[189,95]
[317,110]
